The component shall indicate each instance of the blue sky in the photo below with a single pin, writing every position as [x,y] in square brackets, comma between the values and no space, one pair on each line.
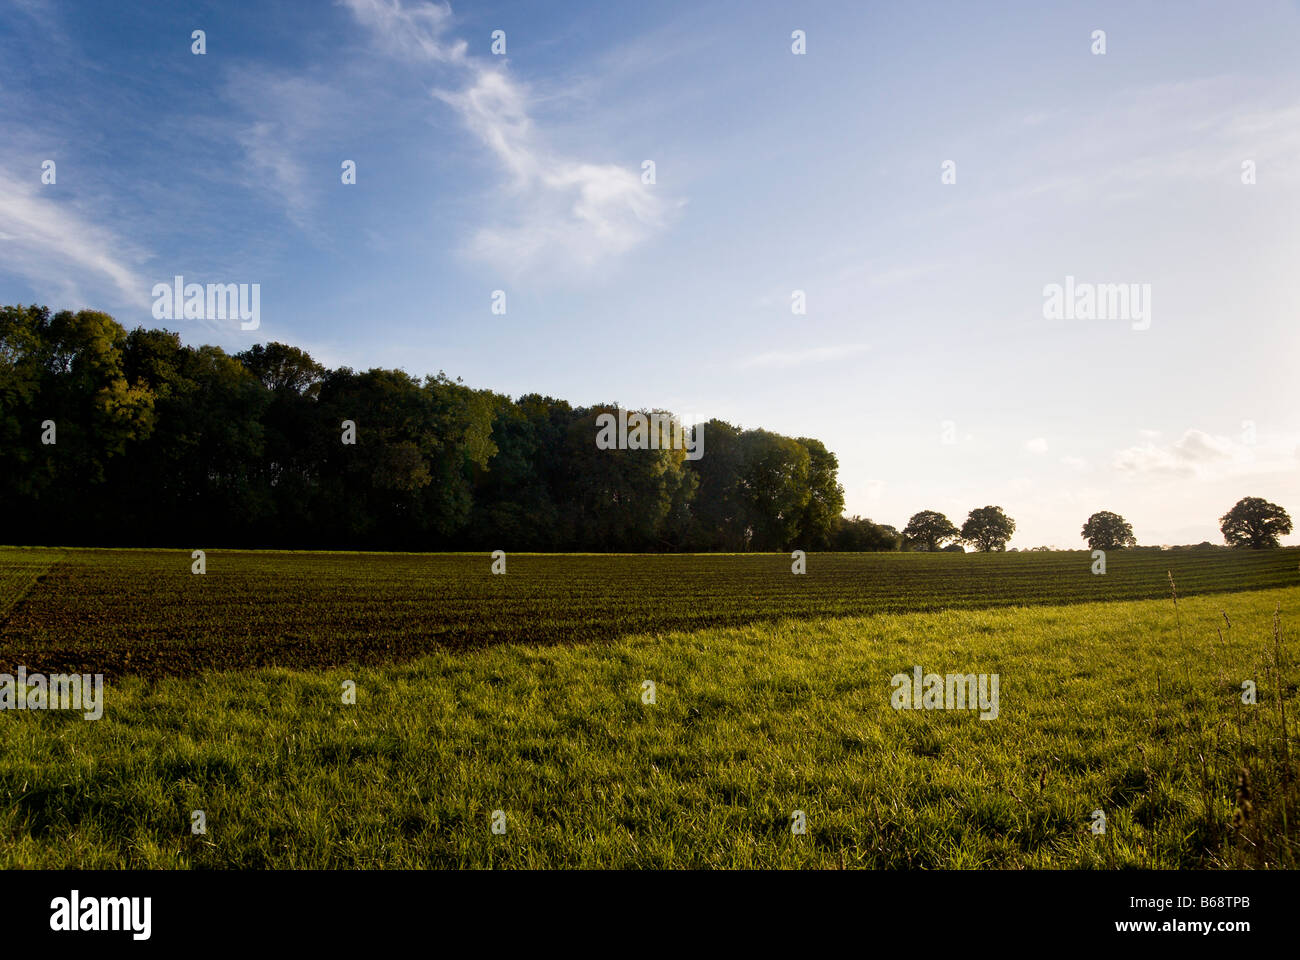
[924,359]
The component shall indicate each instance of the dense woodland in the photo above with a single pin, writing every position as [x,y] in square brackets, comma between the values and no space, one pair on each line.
[158,443]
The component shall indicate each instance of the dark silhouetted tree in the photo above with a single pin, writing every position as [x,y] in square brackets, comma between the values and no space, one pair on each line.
[1108,531]
[859,534]
[988,529]
[161,443]
[1254,522]
[930,529]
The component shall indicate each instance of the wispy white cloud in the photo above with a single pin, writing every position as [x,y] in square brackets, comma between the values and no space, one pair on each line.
[285,116]
[565,211]
[48,241]
[57,237]
[412,32]
[1036,445]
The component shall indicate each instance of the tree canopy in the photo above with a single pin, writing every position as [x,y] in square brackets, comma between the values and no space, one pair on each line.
[134,438]
[930,529]
[1254,522]
[987,529]
[154,442]
[1108,531]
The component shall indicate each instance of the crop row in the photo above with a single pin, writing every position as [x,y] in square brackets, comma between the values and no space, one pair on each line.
[145,612]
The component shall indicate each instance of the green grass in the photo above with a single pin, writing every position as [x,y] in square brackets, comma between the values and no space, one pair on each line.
[142,612]
[1128,707]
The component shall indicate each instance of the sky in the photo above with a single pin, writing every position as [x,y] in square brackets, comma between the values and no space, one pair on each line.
[918,177]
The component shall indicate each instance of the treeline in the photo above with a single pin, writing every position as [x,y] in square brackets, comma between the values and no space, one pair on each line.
[132,438]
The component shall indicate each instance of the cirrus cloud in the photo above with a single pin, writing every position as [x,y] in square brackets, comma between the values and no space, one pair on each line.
[564,211]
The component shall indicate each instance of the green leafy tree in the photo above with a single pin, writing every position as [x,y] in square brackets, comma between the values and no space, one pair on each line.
[68,369]
[22,371]
[718,510]
[513,506]
[623,499]
[856,534]
[988,529]
[294,440]
[407,478]
[98,411]
[1255,523]
[825,496]
[1108,531]
[283,368]
[774,488]
[162,443]
[930,529]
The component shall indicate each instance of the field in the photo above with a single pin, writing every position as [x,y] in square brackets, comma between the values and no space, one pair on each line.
[523,694]
[143,612]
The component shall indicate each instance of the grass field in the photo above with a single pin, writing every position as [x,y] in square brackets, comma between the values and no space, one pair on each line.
[524,694]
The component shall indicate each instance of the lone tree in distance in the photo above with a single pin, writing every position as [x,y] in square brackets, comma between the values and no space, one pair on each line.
[931,528]
[1108,531]
[1254,522]
[988,529]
